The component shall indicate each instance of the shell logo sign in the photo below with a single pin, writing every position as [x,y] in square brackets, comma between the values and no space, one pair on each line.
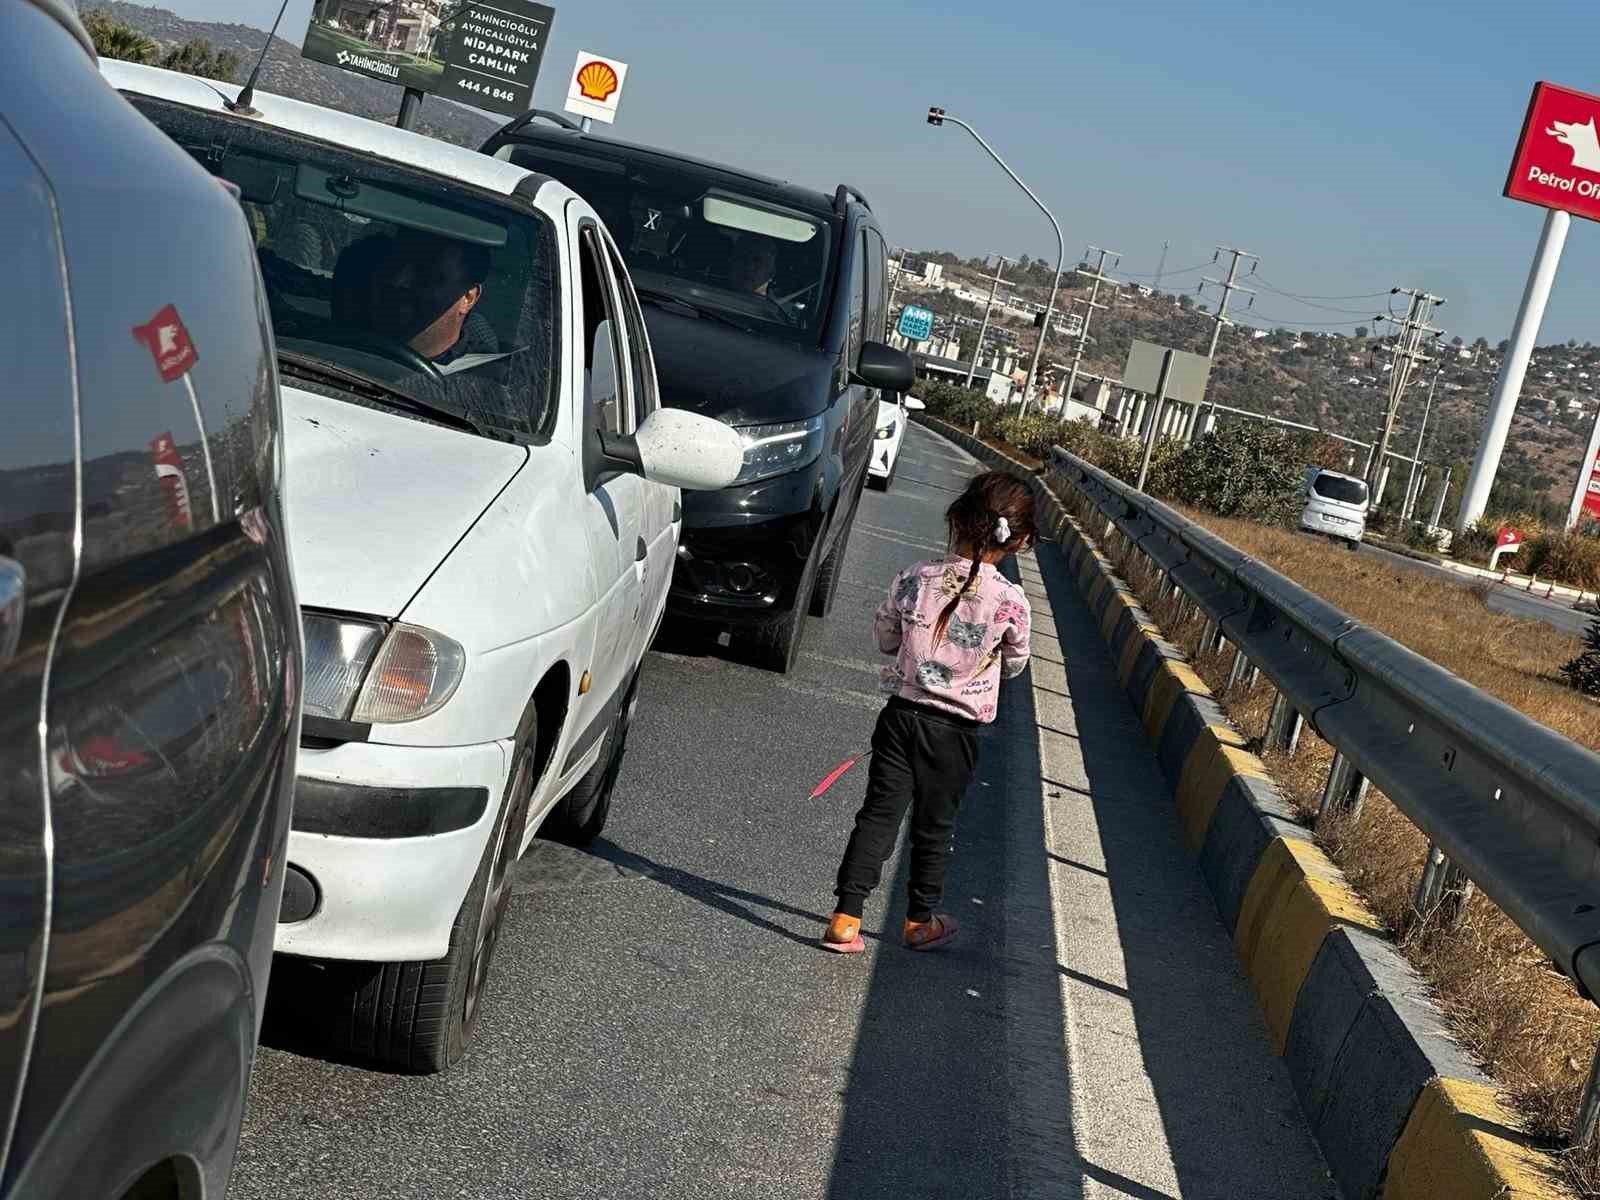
[596,87]
[596,80]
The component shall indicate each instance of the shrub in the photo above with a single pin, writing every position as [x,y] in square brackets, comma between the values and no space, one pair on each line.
[1570,555]
[1583,672]
[1033,434]
[1245,470]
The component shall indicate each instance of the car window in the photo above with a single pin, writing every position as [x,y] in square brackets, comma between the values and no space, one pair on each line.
[640,364]
[605,399]
[877,330]
[1337,487]
[858,281]
[389,283]
[688,238]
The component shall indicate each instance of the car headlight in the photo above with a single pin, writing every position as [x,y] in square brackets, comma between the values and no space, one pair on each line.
[774,449]
[885,432]
[375,672]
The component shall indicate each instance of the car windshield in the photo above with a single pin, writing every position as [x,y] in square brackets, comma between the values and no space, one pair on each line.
[687,238]
[1337,487]
[387,285]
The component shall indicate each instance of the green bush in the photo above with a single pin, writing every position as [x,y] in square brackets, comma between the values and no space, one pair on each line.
[1239,470]
[1569,555]
[1033,434]
[1583,672]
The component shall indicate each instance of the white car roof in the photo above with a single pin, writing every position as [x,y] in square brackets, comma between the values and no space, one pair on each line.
[325,124]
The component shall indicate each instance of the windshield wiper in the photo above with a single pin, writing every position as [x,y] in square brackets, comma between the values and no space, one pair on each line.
[373,389]
[671,300]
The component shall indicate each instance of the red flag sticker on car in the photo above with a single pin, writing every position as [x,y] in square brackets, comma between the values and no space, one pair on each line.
[168,342]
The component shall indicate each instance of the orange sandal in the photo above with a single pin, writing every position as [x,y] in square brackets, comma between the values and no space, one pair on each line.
[843,935]
[936,931]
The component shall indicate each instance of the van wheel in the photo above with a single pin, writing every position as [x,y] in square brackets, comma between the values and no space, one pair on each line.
[419,1016]
[777,643]
[580,816]
[827,589]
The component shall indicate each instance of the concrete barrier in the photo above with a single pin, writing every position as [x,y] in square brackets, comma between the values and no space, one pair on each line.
[1399,1110]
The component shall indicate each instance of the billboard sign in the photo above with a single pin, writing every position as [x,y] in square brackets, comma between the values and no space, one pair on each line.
[1590,509]
[595,88]
[483,54]
[1187,382]
[916,324]
[1557,163]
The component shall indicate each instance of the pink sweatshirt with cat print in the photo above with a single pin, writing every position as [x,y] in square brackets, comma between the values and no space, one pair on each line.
[986,640]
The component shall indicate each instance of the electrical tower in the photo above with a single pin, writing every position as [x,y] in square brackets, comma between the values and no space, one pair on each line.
[983,330]
[1228,287]
[1405,354]
[1097,277]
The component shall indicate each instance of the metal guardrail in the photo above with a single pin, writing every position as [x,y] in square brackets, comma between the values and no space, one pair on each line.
[1506,802]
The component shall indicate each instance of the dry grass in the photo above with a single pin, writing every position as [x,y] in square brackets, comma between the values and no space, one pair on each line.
[1503,998]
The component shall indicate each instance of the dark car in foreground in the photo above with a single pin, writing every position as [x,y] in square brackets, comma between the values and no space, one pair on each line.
[766,306]
[149,643]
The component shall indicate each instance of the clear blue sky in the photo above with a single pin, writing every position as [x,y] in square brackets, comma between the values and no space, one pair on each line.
[1355,149]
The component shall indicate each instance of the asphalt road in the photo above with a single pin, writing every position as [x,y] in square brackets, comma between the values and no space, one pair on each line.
[1558,614]
[660,1023]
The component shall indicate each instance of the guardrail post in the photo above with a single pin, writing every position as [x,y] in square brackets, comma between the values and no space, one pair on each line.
[1283,725]
[1255,678]
[1443,889]
[1345,791]
[1208,638]
[1587,1125]
[1236,672]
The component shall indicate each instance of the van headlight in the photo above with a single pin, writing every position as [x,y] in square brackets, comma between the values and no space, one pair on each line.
[885,432]
[376,672]
[775,449]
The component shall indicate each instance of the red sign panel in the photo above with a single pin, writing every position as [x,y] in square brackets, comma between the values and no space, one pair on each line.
[174,484]
[1591,498]
[168,342]
[1557,164]
[1508,537]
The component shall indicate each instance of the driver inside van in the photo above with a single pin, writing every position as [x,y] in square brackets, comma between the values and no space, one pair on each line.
[752,264]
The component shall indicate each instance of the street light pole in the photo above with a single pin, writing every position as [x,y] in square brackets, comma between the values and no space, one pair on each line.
[937,116]
[983,330]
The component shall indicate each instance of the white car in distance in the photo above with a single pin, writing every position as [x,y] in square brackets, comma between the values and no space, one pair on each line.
[894,413]
[484,512]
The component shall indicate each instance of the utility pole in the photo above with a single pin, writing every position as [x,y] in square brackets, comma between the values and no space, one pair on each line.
[983,330]
[1405,355]
[1228,287]
[1097,277]
[1161,267]
[1416,458]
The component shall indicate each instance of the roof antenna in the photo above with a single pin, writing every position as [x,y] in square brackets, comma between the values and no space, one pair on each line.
[244,105]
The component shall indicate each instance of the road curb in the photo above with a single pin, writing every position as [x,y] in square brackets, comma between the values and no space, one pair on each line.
[1398,1109]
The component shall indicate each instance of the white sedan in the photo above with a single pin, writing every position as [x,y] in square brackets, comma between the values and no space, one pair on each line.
[892,418]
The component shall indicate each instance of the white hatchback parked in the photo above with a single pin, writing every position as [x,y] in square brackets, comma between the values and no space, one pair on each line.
[484,514]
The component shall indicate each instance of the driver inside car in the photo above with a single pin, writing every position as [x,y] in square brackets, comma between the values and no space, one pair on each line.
[423,291]
[753,263]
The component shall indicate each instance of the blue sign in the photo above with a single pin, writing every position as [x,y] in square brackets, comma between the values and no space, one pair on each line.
[916,324]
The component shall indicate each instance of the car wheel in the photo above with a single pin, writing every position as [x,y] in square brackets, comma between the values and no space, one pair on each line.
[580,816]
[420,1016]
[777,643]
[827,589]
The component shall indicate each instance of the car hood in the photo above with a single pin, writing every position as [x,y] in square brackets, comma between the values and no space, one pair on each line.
[741,378]
[376,500]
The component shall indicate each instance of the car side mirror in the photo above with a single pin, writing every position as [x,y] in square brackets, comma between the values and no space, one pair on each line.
[913,404]
[881,367]
[678,448]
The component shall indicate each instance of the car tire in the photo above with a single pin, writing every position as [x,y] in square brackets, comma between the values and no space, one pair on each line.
[580,816]
[777,643]
[826,593]
[419,1017]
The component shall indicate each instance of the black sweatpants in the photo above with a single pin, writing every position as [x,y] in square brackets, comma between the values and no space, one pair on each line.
[922,759]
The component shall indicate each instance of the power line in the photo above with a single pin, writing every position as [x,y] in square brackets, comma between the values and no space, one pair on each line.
[1311,303]
[1167,274]
[1298,296]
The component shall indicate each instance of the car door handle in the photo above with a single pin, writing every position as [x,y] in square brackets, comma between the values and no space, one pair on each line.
[12,588]
[641,552]
[677,512]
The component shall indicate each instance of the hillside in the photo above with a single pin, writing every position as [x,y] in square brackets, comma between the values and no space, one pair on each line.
[1334,381]
[287,73]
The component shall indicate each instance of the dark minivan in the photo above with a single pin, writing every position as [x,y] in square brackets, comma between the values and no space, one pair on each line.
[766,308]
[149,642]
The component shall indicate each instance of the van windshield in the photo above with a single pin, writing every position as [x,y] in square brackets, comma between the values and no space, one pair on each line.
[1339,488]
[389,285]
[690,240]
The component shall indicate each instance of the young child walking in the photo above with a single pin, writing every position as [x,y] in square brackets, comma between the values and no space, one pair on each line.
[956,627]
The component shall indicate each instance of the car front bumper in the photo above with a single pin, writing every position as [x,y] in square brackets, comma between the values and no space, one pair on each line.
[389,839]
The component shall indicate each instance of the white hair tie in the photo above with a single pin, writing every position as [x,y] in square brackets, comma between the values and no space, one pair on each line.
[1002,532]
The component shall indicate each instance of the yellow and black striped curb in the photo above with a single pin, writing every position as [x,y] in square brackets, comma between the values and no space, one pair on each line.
[1399,1111]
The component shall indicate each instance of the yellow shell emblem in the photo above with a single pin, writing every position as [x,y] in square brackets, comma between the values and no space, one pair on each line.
[597,81]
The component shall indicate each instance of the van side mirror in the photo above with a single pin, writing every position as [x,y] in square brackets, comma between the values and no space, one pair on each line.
[881,367]
[913,404]
[678,448]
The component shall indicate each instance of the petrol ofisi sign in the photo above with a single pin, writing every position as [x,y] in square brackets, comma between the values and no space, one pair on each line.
[1557,163]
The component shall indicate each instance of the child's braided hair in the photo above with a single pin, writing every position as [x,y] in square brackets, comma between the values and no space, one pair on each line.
[995,512]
